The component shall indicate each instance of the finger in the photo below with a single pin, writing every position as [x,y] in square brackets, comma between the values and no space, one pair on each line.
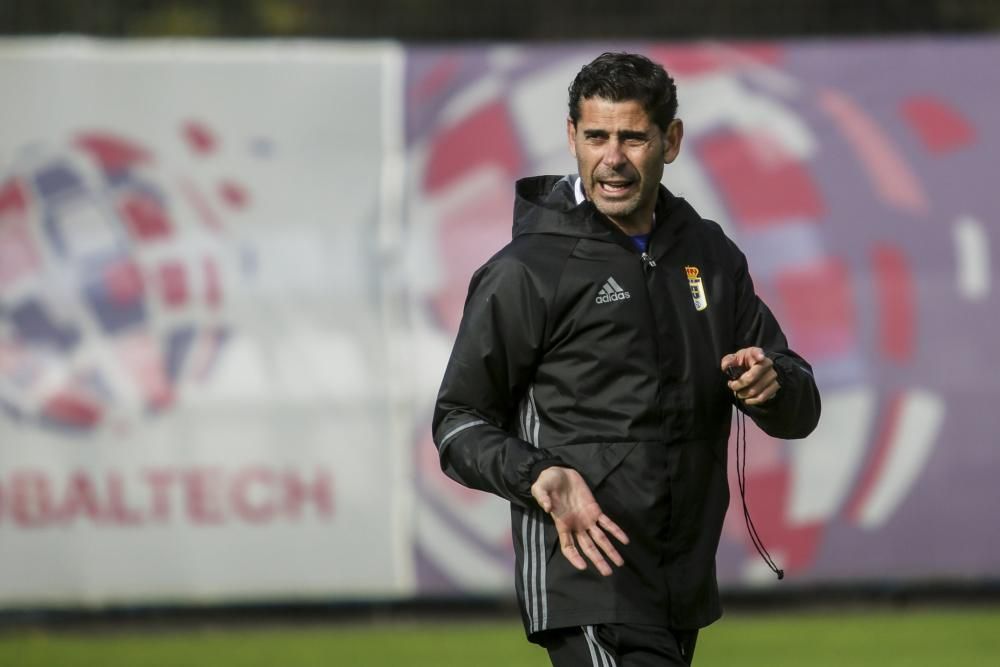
[741,382]
[767,385]
[766,395]
[590,549]
[756,383]
[757,371]
[570,551]
[750,356]
[607,524]
[753,373]
[727,361]
[602,541]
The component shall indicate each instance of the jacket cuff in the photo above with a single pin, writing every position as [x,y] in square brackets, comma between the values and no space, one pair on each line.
[530,470]
[539,466]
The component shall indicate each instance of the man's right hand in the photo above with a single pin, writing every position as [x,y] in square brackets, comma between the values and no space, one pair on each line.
[579,521]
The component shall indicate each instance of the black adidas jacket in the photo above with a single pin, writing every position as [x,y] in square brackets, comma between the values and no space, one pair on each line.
[574,348]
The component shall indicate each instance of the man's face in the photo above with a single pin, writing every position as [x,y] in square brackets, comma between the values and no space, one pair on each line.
[620,153]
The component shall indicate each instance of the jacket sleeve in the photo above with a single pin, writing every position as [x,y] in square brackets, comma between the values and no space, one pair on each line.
[794,411]
[491,368]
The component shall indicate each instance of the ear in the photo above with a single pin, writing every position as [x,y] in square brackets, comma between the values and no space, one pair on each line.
[571,135]
[672,140]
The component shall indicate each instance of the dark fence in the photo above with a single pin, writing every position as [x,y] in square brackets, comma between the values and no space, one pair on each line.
[439,20]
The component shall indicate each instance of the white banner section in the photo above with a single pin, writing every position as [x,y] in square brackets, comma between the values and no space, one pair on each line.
[198,390]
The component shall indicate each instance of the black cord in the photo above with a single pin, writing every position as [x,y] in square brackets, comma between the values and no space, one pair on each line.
[741,479]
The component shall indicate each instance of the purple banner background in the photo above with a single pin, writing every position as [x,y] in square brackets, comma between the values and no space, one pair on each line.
[860,179]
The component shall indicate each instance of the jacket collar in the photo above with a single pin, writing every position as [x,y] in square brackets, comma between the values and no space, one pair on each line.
[548,205]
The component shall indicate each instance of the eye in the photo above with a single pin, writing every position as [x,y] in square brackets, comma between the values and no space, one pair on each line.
[634,139]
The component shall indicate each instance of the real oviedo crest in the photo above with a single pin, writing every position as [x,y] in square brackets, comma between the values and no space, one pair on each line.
[697,288]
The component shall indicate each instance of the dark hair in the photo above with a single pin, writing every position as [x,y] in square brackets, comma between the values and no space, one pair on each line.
[626,76]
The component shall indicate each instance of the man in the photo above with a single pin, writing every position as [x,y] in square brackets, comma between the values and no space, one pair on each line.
[586,384]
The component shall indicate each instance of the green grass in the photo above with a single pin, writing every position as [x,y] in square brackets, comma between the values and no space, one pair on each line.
[883,639]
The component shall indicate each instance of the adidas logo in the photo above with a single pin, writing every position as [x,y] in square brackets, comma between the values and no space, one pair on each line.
[612,291]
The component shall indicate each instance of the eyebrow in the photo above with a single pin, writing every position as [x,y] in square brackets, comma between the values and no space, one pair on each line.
[622,134]
[632,134]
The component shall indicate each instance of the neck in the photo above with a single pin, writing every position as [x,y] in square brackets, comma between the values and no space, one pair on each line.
[640,222]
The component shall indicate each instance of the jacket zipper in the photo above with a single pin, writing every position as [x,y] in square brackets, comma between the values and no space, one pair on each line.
[648,264]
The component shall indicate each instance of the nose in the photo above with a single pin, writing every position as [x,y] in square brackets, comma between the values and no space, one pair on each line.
[613,156]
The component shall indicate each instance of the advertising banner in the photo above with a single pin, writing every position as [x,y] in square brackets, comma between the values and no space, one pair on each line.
[859,180]
[193,369]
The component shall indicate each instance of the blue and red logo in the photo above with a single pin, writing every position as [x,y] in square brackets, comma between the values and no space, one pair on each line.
[826,183]
[114,271]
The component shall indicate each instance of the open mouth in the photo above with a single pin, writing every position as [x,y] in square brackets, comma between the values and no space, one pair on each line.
[615,187]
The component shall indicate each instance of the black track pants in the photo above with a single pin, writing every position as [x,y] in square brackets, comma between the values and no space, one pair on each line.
[617,645]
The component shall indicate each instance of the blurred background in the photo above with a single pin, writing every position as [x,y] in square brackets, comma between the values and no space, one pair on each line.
[235,241]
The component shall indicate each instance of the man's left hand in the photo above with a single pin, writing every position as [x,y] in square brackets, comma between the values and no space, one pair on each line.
[759,383]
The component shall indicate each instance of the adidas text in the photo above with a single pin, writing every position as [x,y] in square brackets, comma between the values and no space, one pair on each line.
[614,296]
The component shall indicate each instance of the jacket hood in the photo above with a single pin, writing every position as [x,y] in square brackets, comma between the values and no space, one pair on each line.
[547,205]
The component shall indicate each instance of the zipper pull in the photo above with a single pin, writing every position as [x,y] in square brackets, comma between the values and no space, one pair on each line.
[648,261]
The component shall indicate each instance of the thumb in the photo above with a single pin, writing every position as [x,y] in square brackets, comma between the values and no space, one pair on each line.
[544,500]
